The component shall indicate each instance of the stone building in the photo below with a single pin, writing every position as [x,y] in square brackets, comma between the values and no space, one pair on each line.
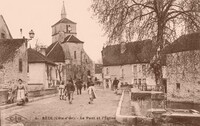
[13,62]
[63,27]
[183,69]
[67,50]
[4,31]
[41,71]
[98,71]
[128,62]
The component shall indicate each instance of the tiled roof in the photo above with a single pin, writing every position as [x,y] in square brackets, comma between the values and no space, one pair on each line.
[36,57]
[55,52]
[184,43]
[72,39]
[8,48]
[135,52]
[64,20]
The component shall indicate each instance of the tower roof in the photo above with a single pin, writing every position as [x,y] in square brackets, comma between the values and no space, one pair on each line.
[63,12]
[64,20]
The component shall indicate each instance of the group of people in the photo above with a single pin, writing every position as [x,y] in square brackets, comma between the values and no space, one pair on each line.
[19,92]
[66,90]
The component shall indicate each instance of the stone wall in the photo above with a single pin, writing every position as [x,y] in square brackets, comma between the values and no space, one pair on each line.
[183,76]
[11,72]
[62,27]
[75,47]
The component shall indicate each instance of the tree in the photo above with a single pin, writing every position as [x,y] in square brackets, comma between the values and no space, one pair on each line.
[124,20]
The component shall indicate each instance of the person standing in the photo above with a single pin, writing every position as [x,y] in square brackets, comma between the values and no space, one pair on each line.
[115,84]
[61,90]
[79,86]
[71,80]
[91,92]
[84,85]
[21,92]
[70,89]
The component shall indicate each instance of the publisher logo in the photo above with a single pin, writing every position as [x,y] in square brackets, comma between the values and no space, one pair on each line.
[17,119]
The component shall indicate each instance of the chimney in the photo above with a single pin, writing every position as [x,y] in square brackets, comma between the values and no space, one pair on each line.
[42,50]
[21,33]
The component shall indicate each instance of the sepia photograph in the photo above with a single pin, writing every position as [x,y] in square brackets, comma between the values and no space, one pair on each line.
[99,62]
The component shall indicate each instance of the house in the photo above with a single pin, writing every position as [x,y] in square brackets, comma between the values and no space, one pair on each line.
[98,71]
[13,61]
[129,63]
[183,69]
[41,71]
[4,31]
[67,51]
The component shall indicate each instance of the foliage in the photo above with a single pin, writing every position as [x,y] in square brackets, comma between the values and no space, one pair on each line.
[146,18]
[125,20]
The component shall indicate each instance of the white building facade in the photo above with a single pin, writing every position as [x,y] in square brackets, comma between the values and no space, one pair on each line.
[131,66]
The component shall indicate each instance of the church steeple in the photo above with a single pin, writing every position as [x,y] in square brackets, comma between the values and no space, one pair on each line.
[63,12]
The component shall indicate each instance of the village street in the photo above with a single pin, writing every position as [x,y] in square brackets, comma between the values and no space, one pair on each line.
[53,111]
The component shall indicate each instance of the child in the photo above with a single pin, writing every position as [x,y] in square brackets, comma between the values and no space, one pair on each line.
[91,92]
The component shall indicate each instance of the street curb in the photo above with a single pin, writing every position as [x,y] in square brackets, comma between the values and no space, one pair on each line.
[30,100]
[123,118]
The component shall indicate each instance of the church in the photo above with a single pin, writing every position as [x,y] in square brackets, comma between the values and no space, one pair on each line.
[67,51]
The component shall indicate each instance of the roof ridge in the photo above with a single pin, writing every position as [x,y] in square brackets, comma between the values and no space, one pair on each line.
[70,21]
[6,26]
[69,38]
[52,48]
[42,56]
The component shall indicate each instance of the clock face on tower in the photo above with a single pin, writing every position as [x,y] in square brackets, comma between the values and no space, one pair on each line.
[61,36]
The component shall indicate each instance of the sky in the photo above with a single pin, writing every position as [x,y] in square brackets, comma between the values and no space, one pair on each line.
[40,15]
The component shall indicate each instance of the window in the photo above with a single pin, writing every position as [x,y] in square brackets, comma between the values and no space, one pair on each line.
[135,81]
[74,54]
[20,65]
[144,70]
[88,73]
[27,68]
[139,69]
[135,70]
[107,71]
[3,36]
[178,86]
[68,28]
[144,81]
[139,81]
[122,73]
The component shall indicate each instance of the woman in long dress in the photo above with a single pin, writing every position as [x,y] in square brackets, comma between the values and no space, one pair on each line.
[21,91]
[91,92]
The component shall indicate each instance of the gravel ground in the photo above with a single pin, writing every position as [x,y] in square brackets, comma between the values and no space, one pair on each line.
[55,112]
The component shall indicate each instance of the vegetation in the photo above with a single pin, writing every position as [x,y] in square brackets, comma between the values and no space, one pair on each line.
[125,20]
